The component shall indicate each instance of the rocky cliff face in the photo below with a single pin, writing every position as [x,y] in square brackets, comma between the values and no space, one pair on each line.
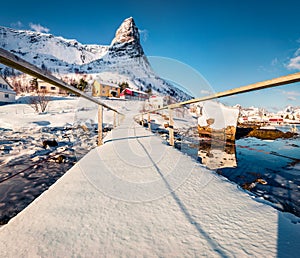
[127,41]
[127,32]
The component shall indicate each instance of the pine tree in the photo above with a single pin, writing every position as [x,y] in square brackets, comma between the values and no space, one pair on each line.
[123,86]
[82,84]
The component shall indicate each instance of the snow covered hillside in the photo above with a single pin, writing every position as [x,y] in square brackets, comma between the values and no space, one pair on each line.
[124,57]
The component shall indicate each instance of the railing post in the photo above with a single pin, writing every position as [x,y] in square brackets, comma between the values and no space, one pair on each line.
[149,122]
[142,120]
[171,127]
[115,122]
[100,121]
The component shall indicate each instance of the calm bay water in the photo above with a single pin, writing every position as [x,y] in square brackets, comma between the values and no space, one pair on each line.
[276,162]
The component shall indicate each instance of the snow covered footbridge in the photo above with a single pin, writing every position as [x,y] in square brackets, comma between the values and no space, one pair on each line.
[136,196]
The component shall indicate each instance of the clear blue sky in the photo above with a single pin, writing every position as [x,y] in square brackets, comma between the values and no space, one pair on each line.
[231,43]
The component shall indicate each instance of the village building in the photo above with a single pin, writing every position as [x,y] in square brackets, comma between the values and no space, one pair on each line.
[49,88]
[133,94]
[105,89]
[276,120]
[157,101]
[160,101]
[7,94]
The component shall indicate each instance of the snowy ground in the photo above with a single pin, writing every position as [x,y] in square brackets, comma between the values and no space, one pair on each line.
[136,196]
[72,122]
[68,121]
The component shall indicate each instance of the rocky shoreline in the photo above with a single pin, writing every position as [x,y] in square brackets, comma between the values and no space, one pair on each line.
[254,130]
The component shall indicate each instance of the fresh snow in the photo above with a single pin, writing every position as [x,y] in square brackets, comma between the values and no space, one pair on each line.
[136,196]
[223,116]
[47,47]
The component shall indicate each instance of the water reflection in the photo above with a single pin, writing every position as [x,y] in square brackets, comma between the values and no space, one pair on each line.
[216,155]
[269,169]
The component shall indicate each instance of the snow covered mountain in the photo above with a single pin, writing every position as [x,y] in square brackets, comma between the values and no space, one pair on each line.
[122,60]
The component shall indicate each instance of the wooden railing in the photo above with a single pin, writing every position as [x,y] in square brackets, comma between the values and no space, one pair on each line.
[11,60]
[279,81]
[16,62]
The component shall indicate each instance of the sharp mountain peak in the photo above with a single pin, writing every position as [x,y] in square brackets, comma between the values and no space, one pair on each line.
[127,32]
[64,56]
[127,40]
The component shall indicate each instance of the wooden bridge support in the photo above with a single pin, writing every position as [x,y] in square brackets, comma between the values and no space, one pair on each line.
[171,127]
[149,122]
[115,120]
[142,120]
[100,125]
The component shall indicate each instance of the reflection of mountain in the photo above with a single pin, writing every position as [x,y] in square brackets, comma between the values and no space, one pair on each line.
[215,155]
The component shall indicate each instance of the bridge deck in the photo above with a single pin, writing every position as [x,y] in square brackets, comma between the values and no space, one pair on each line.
[136,196]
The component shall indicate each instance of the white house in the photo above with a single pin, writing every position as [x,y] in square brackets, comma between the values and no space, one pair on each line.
[160,101]
[7,94]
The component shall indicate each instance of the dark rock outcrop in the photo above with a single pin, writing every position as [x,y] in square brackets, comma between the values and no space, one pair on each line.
[126,41]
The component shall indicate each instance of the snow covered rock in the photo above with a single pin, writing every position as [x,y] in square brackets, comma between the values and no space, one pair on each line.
[127,40]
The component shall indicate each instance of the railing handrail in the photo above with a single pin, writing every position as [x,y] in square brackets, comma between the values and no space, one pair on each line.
[279,81]
[9,59]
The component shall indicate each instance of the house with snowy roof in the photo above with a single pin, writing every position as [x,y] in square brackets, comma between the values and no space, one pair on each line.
[7,94]
[133,94]
[49,88]
[160,101]
[105,89]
